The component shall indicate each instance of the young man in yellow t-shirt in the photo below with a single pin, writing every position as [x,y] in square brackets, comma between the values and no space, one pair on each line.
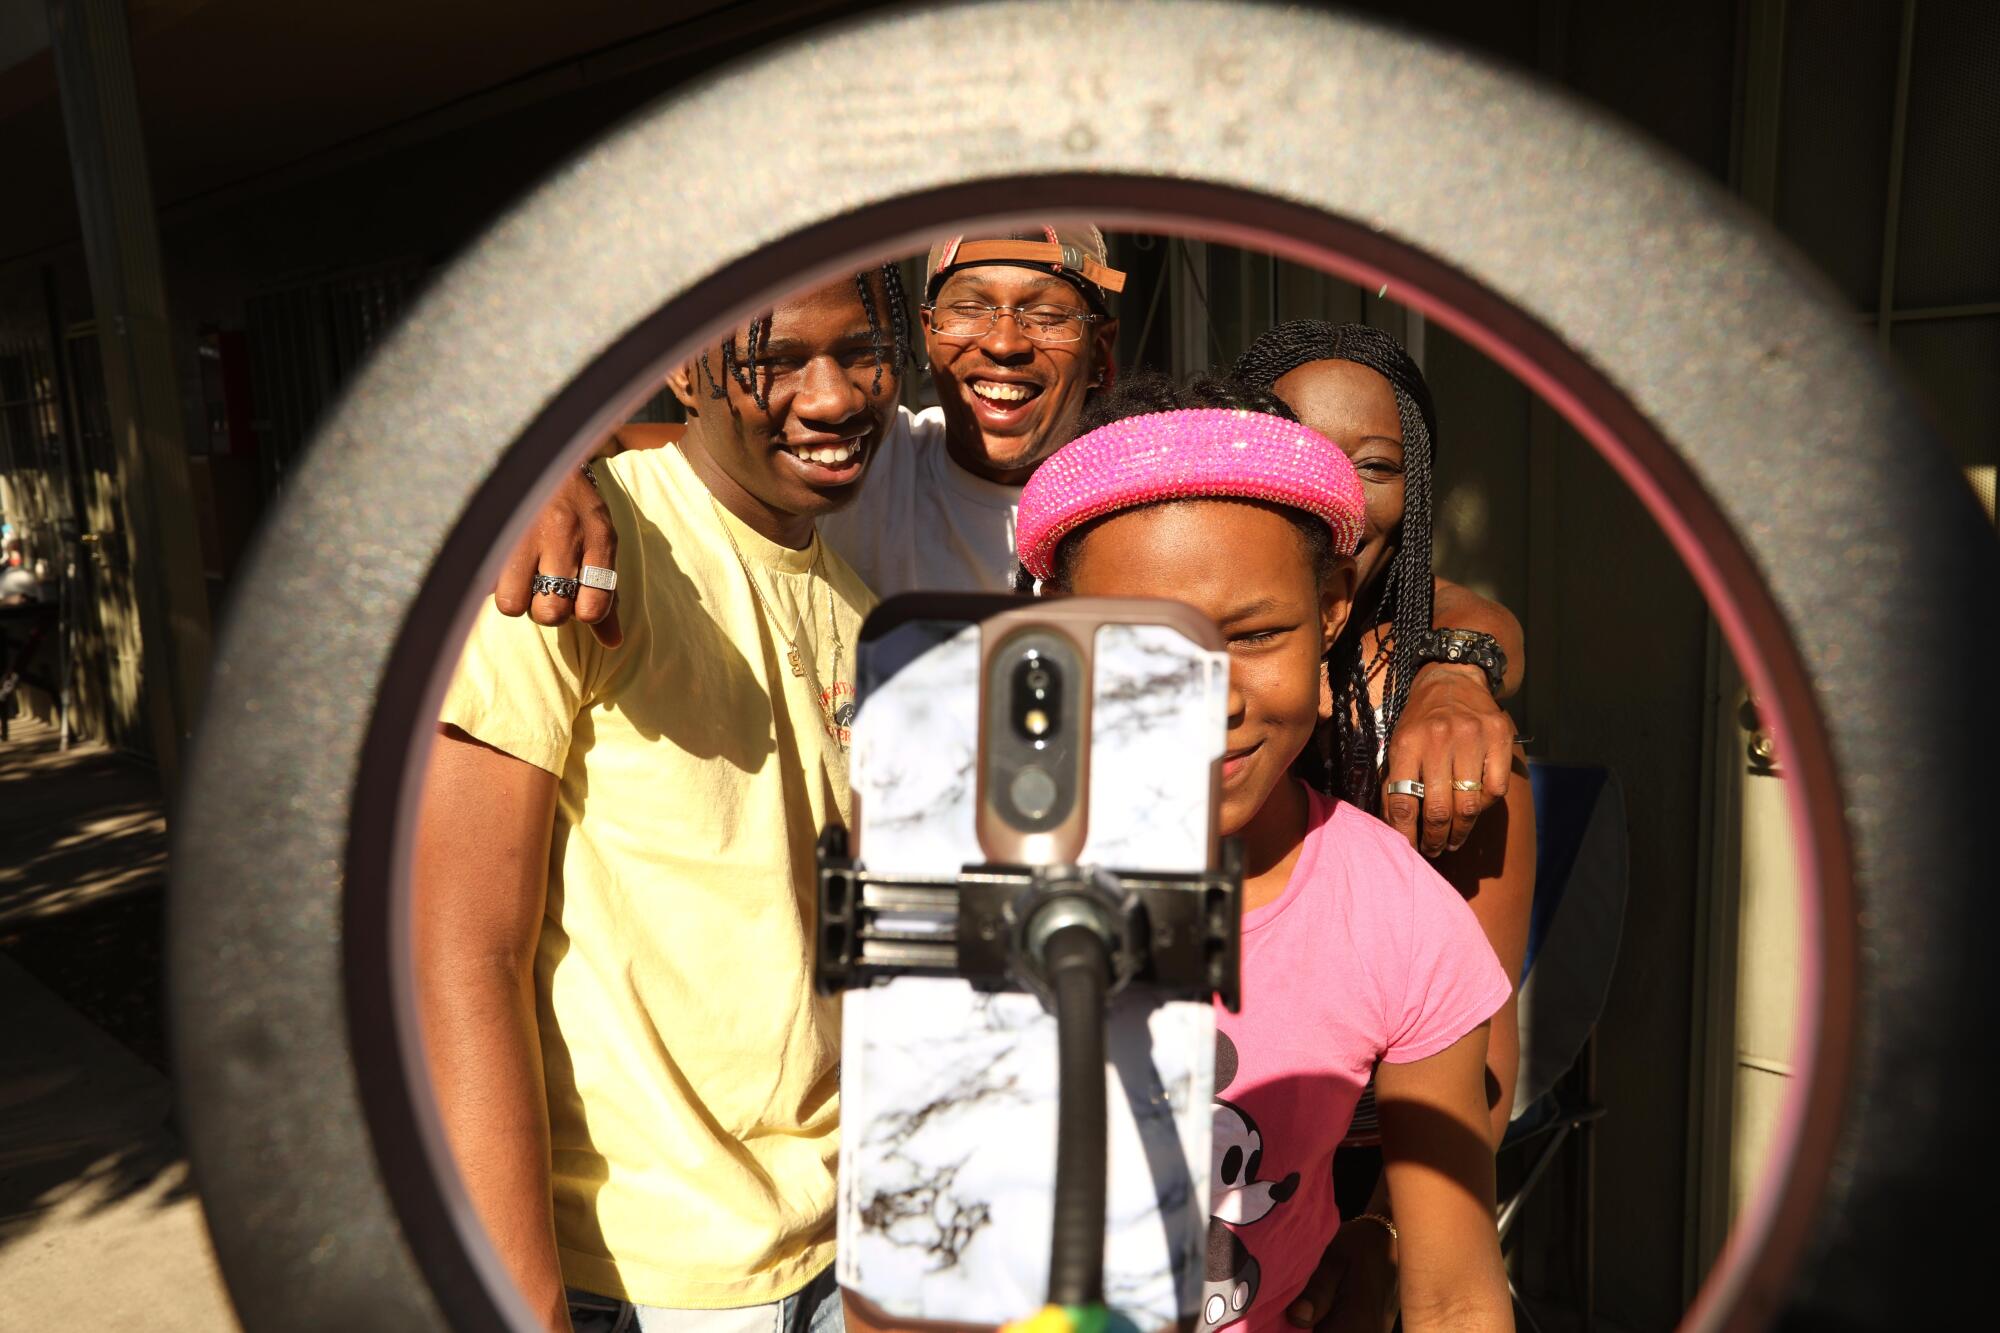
[614,889]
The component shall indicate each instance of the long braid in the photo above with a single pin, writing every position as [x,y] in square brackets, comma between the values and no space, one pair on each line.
[1410,612]
[899,321]
[1356,738]
[874,328]
[753,362]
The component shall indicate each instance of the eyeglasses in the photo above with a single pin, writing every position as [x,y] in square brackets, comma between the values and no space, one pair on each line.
[1041,323]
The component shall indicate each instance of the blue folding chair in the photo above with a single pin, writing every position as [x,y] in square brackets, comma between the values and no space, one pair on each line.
[1574,924]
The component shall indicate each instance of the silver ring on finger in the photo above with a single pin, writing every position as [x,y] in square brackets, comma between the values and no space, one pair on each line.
[553,585]
[598,577]
[1467,784]
[1407,787]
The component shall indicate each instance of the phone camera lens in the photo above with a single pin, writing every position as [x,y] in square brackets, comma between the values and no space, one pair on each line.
[1036,705]
[1032,756]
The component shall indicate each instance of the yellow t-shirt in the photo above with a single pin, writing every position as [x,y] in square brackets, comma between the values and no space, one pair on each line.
[693,1076]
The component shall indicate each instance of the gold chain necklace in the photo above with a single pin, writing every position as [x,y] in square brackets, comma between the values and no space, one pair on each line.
[805,670]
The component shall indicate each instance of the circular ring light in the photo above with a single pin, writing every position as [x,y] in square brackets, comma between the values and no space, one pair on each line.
[1816,510]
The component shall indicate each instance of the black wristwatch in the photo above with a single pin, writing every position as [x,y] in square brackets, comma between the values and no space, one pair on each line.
[1465,647]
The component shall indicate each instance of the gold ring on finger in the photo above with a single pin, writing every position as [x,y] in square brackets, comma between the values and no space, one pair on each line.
[1467,784]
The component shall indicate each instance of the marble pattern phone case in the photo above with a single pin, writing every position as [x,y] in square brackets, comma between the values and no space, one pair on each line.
[948,1095]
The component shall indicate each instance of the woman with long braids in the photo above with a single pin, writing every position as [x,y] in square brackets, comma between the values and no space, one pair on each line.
[1358,386]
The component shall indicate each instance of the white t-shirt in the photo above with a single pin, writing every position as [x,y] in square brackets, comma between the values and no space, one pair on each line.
[922,522]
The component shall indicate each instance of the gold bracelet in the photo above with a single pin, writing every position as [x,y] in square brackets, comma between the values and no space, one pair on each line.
[1387,1225]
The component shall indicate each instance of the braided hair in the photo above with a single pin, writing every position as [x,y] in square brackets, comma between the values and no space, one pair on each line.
[891,345]
[1404,593]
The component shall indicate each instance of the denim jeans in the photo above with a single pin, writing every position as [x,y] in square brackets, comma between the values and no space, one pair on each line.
[813,1308]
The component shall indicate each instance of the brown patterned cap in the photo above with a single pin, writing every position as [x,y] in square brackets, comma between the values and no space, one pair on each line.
[1076,254]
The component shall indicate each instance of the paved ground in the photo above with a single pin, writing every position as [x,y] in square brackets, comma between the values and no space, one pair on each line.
[98,1227]
[82,854]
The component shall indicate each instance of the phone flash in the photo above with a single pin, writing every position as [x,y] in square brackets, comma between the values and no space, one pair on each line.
[1036,721]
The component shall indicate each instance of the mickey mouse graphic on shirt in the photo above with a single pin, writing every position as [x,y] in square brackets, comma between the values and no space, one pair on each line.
[1236,1199]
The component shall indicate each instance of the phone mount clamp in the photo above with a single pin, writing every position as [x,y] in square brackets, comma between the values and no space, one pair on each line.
[1179,933]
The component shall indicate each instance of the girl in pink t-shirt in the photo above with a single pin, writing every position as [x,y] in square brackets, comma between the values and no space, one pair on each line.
[1357,956]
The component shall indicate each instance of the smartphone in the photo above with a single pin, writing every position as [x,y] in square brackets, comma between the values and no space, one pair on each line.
[1024,732]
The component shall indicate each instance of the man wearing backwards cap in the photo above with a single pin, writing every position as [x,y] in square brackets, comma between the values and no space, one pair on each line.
[1018,331]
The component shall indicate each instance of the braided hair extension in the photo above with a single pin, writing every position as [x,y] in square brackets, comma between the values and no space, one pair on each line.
[1405,590]
[898,353]
[891,345]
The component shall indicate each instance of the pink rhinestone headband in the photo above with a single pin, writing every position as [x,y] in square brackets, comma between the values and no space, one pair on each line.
[1185,455]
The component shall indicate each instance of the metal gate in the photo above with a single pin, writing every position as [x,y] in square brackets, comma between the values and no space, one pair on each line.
[305,342]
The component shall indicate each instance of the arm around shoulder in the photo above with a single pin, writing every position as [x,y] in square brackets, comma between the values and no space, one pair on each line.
[1454,606]
[1452,736]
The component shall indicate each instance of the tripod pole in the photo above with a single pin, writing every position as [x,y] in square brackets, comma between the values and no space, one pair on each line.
[1077,964]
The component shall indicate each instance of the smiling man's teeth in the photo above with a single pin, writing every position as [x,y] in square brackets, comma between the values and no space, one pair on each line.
[1004,393]
[831,455]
